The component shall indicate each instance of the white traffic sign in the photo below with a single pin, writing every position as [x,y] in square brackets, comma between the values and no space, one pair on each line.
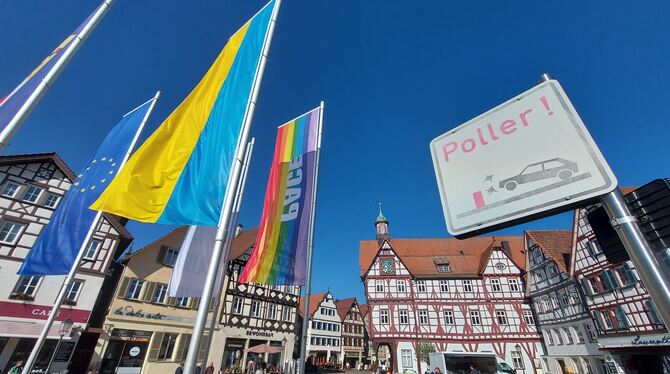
[520,159]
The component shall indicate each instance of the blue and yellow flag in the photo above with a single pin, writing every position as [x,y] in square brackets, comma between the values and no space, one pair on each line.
[57,246]
[180,174]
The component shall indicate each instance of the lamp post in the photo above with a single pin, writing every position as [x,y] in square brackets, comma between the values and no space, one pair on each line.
[65,328]
[283,354]
[518,350]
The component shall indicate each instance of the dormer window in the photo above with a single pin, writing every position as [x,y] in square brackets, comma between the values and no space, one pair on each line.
[442,264]
[443,268]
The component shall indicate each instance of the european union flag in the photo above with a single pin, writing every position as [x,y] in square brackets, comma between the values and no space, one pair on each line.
[57,246]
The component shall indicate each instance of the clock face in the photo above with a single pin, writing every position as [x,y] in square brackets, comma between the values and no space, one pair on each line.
[387,266]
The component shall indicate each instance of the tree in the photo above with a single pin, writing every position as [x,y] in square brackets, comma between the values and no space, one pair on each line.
[423,350]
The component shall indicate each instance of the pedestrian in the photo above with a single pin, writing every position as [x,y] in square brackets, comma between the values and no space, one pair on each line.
[17,368]
[251,366]
[473,370]
[428,371]
[180,369]
[198,368]
[210,369]
[438,371]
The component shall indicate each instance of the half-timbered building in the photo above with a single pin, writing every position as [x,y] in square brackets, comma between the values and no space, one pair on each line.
[31,188]
[630,333]
[253,314]
[562,316]
[367,342]
[324,330]
[464,296]
[353,334]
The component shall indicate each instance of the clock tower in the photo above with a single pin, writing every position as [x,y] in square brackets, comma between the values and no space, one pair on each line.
[382,226]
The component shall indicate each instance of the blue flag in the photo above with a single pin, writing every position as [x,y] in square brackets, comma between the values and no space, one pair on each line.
[57,246]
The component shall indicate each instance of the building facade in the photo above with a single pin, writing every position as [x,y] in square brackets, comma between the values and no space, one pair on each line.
[252,315]
[353,332]
[324,330]
[145,330]
[31,188]
[570,338]
[630,333]
[463,296]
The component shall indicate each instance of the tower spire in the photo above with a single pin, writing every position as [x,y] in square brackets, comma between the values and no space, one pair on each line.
[382,226]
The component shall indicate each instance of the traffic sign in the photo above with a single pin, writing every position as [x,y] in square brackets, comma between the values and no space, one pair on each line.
[528,157]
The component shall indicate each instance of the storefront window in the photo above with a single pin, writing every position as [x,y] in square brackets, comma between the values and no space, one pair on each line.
[25,346]
[232,354]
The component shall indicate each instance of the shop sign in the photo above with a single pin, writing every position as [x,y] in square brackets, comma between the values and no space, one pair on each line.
[131,312]
[233,344]
[265,334]
[34,311]
[64,352]
[132,335]
[646,340]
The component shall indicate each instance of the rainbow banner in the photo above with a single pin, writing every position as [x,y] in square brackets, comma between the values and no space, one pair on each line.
[280,254]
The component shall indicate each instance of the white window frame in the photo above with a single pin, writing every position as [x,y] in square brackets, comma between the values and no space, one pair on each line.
[495,285]
[255,308]
[92,250]
[528,317]
[475,317]
[444,285]
[423,317]
[170,256]
[13,193]
[402,286]
[513,284]
[449,317]
[421,286]
[238,305]
[136,285]
[272,311]
[29,190]
[29,287]
[160,293]
[379,285]
[181,302]
[167,353]
[517,360]
[5,234]
[287,313]
[384,316]
[570,340]
[403,316]
[501,317]
[406,355]
[74,290]
[53,198]
[467,285]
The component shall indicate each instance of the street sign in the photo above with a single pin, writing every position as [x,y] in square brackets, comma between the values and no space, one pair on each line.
[529,157]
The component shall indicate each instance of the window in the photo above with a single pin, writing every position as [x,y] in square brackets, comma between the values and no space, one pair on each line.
[559,337]
[72,293]
[607,280]
[51,200]
[621,319]
[9,232]
[318,341]
[404,316]
[443,268]
[170,256]
[384,316]
[568,335]
[402,286]
[313,324]
[160,292]
[594,286]
[379,286]
[528,317]
[563,298]
[181,302]
[319,326]
[92,249]
[313,340]
[255,308]
[238,302]
[448,317]
[539,305]
[323,310]
[423,317]
[548,337]
[467,285]
[32,193]
[653,313]
[272,311]
[167,346]
[474,317]
[27,285]
[517,360]
[495,285]
[608,320]
[625,274]
[287,313]
[421,286]
[444,286]
[593,248]
[134,289]
[10,189]
[501,316]
[513,285]
[578,333]
[406,355]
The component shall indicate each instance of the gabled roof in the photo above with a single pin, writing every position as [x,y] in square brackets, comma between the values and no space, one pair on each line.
[115,221]
[314,302]
[343,306]
[467,258]
[556,244]
[364,309]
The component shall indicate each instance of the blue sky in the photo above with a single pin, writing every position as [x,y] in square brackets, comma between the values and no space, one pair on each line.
[394,75]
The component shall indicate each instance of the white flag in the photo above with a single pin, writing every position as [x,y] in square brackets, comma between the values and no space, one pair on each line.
[190,269]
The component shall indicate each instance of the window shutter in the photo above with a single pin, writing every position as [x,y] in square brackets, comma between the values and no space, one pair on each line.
[155,346]
[161,254]
[630,272]
[149,291]
[184,341]
[194,302]
[123,288]
[610,279]
[171,301]
[621,320]
[203,347]
[585,286]
[212,304]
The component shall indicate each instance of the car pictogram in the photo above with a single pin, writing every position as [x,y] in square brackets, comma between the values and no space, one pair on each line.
[555,167]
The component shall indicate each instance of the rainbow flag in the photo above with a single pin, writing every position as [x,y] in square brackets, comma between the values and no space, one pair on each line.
[180,174]
[280,254]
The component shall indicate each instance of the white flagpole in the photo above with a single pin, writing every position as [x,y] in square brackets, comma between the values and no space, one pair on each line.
[310,250]
[229,240]
[15,123]
[226,211]
[73,270]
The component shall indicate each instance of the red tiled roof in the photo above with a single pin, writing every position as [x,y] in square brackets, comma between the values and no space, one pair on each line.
[555,244]
[466,257]
[314,302]
[343,306]
[364,309]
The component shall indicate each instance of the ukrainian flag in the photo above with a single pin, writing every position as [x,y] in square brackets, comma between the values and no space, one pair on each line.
[180,174]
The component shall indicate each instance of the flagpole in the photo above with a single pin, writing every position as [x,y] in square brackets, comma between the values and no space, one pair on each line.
[229,239]
[22,114]
[226,211]
[310,250]
[28,365]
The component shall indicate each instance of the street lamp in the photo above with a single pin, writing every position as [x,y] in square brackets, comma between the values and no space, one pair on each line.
[518,350]
[65,328]
[283,354]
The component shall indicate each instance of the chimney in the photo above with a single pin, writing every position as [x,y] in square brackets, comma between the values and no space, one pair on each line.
[238,230]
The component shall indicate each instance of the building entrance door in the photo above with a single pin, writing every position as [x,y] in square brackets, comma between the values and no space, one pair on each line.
[124,357]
